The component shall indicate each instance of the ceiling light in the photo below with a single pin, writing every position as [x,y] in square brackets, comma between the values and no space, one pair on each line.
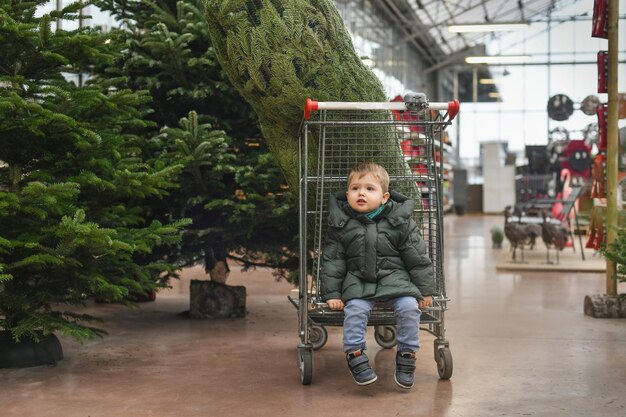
[494,94]
[486,81]
[498,59]
[488,27]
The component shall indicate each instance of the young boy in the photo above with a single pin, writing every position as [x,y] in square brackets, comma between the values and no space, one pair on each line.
[374,252]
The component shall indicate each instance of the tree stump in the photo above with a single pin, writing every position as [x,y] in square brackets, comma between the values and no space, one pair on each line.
[212,300]
[602,306]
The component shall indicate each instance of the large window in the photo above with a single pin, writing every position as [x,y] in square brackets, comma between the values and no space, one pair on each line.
[385,48]
[563,61]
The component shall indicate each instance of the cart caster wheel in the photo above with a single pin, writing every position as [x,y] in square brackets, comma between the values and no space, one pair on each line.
[305,363]
[444,363]
[385,336]
[318,336]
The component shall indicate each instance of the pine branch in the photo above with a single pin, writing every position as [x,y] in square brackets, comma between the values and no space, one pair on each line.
[277,54]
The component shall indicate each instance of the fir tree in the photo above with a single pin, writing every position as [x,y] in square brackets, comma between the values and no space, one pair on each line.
[277,54]
[616,251]
[235,192]
[73,180]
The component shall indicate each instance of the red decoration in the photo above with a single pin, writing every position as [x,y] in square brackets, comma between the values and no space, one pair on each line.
[597,185]
[591,233]
[597,232]
[577,159]
[599,25]
[603,118]
[603,71]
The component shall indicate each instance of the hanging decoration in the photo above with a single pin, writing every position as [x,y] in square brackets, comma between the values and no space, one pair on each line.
[590,133]
[560,107]
[558,134]
[589,104]
[621,106]
[599,25]
[603,71]
[577,160]
[603,116]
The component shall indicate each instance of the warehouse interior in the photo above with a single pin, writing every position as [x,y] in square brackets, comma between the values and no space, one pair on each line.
[538,147]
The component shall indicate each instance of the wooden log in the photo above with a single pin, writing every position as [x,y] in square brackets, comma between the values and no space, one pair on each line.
[603,306]
[212,300]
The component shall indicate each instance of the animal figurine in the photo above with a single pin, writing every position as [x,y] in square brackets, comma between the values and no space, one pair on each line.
[553,234]
[533,230]
[516,233]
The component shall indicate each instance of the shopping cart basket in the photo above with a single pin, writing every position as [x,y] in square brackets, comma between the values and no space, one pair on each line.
[406,139]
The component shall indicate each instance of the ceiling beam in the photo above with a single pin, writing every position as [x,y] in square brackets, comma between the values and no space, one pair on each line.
[392,10]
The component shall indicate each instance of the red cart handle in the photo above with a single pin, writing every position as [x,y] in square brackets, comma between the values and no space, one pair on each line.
[452,107]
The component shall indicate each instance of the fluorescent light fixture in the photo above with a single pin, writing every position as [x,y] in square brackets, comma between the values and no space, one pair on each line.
[498,59]
[494,94]
[488,27]
[486,81]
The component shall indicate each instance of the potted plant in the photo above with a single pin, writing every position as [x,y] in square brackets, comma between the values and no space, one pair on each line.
[497,237]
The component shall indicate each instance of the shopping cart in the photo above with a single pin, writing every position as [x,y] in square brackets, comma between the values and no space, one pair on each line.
[403,137]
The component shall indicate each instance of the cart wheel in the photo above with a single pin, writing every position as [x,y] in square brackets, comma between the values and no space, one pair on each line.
[305,363]
[318,336]
[444,363]
[385,336]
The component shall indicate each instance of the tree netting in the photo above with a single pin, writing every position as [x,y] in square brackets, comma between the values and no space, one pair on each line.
[278,53]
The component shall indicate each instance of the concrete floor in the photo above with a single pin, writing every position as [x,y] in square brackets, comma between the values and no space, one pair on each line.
[520,342]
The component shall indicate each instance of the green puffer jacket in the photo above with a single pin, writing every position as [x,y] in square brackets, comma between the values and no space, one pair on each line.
[364,258]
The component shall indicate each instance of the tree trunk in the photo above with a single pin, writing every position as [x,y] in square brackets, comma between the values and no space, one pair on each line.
[216,263]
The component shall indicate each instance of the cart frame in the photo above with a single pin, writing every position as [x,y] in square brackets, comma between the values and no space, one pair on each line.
[418,125]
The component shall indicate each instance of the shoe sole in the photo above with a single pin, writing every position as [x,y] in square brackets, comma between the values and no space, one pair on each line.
[371,381]
[401,385]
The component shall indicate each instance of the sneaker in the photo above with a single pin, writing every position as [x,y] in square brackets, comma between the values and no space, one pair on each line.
[405,368]
[360,368]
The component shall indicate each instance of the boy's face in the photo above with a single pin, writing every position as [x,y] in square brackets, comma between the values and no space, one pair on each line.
[365,194]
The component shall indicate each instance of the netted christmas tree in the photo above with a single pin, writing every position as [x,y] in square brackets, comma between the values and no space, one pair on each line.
[73,179]
[278,53]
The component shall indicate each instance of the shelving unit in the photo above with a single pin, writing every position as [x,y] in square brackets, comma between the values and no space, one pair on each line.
[446,152]
[409,145]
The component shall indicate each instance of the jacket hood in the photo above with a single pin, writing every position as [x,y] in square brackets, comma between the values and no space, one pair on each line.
[399,211]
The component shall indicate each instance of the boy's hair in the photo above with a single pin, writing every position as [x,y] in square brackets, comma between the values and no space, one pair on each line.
[378,172]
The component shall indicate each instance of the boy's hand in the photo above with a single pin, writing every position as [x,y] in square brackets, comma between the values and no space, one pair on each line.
[426,302]
[335,304]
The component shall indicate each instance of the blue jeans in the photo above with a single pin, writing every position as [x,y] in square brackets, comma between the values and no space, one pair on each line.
[356,314]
